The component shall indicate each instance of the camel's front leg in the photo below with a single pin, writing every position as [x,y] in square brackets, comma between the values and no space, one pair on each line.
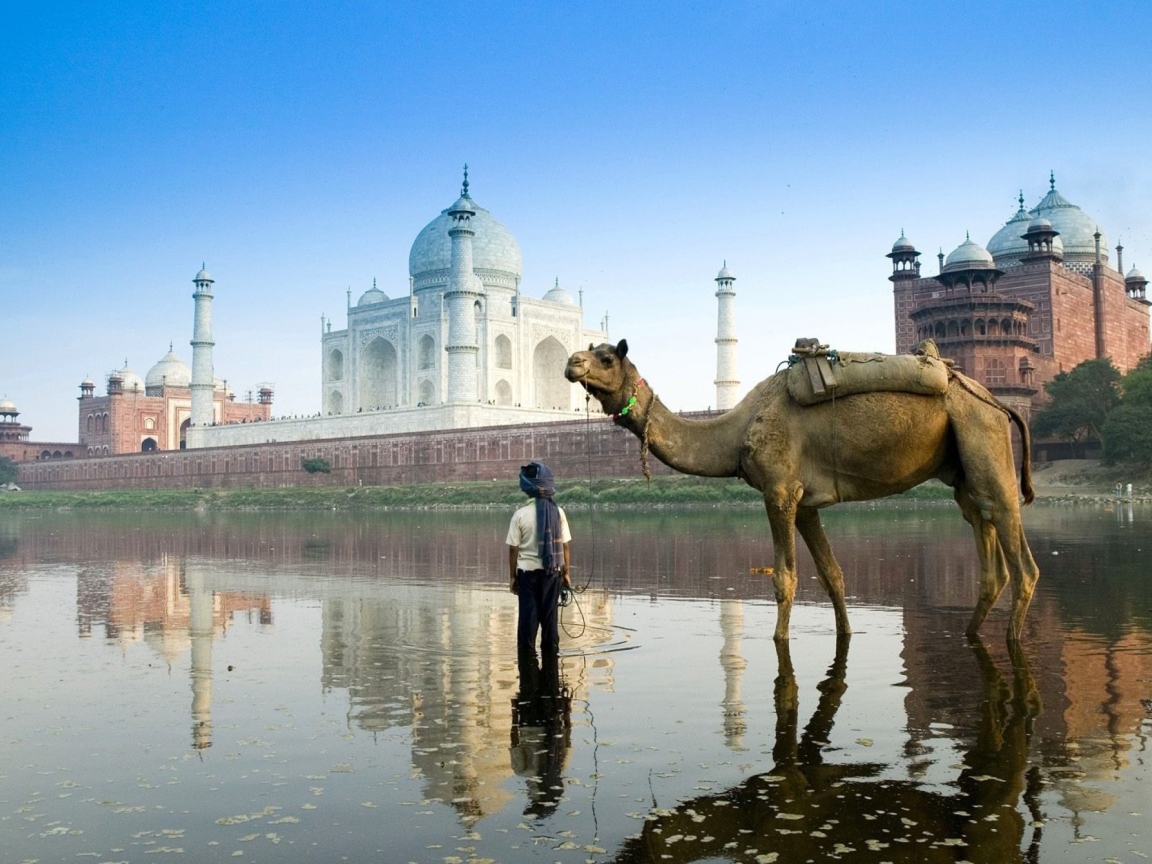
[781,505]
[827,568]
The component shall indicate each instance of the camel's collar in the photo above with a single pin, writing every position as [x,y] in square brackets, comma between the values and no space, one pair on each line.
[631,403]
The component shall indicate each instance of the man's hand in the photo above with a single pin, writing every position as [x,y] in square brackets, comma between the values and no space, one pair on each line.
[512,584]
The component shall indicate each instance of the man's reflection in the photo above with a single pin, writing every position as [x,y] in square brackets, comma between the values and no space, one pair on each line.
[541,731]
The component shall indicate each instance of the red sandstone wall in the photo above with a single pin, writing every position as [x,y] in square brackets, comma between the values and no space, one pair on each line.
[571,448]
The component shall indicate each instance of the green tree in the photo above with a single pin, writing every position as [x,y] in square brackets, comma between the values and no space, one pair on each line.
[1128,430]
[1128,434]
[317,466]
[1136,385]
[7,470]
[1081,400]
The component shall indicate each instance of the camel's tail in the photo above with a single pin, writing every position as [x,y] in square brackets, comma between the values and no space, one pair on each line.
[1025,438]
[1025,457]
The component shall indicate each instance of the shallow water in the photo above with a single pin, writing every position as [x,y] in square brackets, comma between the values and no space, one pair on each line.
[326,687]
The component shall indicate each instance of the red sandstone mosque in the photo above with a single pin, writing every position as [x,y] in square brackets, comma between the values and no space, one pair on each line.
[1041,298]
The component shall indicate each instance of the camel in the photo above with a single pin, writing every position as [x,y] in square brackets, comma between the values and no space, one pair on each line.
[854,448]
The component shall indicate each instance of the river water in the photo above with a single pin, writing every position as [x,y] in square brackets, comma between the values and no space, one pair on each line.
[335,687]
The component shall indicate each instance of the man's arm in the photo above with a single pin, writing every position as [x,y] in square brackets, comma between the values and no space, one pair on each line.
[513,554]
[567,567]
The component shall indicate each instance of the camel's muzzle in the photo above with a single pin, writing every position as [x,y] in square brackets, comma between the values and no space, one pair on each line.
[576,371]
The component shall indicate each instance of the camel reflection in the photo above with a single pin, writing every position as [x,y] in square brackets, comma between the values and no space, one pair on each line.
[806,809]
[541,731]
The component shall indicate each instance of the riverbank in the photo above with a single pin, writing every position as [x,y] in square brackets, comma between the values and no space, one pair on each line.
[1069,481]
[609,492]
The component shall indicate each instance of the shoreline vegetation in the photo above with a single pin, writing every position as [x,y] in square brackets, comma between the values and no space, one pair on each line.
[1070,482]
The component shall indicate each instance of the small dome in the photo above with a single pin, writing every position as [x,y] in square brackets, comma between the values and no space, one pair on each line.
[1039,223]
[87,382]
[463,205]
[558,295]
[969,255]
[372,295]
[203,276]
[6,407]
[724,273]
[129,380]
[169,371]
[903,244]
[1135,275]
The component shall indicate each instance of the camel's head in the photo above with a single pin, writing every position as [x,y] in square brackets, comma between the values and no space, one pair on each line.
[605,372]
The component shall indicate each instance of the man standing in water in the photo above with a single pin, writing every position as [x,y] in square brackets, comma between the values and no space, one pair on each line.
[538,560]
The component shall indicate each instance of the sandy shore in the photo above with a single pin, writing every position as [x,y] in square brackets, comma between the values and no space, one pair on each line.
[1086,480]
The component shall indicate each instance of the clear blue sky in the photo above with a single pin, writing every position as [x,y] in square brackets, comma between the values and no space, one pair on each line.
[298,148]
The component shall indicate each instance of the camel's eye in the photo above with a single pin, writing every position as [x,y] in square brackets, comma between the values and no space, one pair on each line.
[605,360]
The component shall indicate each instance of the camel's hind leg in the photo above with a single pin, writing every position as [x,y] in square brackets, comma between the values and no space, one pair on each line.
[993,571]
[988,475]
[781,506]
[1014,545]
[827,568]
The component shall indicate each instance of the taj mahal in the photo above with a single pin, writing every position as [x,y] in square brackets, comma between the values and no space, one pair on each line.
[461,346]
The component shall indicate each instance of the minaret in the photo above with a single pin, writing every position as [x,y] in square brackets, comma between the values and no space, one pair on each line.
[202,383]
[726,381]
[460,298]
[1098,299]
[905,274]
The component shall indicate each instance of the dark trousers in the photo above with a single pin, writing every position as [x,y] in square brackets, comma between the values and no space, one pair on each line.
[539,594]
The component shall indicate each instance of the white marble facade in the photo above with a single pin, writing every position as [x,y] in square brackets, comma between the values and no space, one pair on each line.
[401,364]
[392,352]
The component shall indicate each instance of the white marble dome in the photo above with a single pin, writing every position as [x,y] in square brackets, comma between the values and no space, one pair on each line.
[1135,275]
[371,296]
[1008,244]
[903,244]
[556,294]
[969,255]
[169,371]
[129,380]
[493,247]
[1076,228]
[6,407]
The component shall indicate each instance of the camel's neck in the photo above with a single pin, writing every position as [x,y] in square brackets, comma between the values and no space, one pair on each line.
[704,448]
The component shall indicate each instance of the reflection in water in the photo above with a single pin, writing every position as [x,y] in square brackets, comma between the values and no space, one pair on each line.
[541,731]
[200,633]
[400,622]
[732,626]
[808,808]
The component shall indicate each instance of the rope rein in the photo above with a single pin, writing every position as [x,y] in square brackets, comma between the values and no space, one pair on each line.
[577,590]
[992,401]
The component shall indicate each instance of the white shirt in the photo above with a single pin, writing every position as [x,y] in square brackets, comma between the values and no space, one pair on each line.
[522,534]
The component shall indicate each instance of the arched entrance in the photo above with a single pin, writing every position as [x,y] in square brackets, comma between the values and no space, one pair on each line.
[503,392]
[378,375]
[148,445]
[548,362]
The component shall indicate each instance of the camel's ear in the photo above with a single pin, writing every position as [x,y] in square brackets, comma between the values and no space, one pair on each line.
[622,348]
[591,347]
